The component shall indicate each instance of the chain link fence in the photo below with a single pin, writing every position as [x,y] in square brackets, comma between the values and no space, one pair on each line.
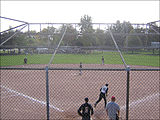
[144,95]
[23,92]
[43,88]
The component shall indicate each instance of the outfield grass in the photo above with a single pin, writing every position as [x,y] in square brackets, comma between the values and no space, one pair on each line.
[110,58]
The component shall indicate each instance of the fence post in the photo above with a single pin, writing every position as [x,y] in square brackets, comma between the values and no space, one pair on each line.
[127,97]
[47,92]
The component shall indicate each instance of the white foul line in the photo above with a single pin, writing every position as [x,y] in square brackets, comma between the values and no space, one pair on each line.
[134,103]
[31,98]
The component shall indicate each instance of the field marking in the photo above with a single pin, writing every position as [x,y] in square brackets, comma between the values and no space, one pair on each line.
[32,99]
[132,104]
[144,99]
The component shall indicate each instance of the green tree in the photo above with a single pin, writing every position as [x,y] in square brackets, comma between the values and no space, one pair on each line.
[70,35]
[86,31]
[46,37]
[133,41]
[6,35]
[100,37]
[121,28]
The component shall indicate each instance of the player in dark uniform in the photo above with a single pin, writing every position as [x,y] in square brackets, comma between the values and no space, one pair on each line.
[80,66]
[25,60]
[87,110]
[103,94]
[102,60]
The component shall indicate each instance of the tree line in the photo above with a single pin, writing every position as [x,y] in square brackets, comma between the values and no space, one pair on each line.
[86,35]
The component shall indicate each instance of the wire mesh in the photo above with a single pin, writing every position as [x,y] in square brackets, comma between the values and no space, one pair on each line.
[23,84]
[39,42]
[144,95]
[68,88]
[23,93]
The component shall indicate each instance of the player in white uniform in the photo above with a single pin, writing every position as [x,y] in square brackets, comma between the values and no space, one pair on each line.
[103,94]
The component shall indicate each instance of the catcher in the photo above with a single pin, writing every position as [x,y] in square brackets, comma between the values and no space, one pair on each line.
[103,94]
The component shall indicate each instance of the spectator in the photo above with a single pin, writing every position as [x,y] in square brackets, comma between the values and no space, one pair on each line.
[113,109]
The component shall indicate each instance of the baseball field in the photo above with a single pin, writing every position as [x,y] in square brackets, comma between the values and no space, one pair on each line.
[144,59]
[23,92]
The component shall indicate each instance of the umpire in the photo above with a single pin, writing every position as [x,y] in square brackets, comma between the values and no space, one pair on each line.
[87,110]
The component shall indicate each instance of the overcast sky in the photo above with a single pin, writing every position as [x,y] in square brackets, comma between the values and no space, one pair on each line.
[71,11]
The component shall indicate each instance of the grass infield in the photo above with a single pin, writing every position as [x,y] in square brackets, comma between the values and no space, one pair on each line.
[93,58]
